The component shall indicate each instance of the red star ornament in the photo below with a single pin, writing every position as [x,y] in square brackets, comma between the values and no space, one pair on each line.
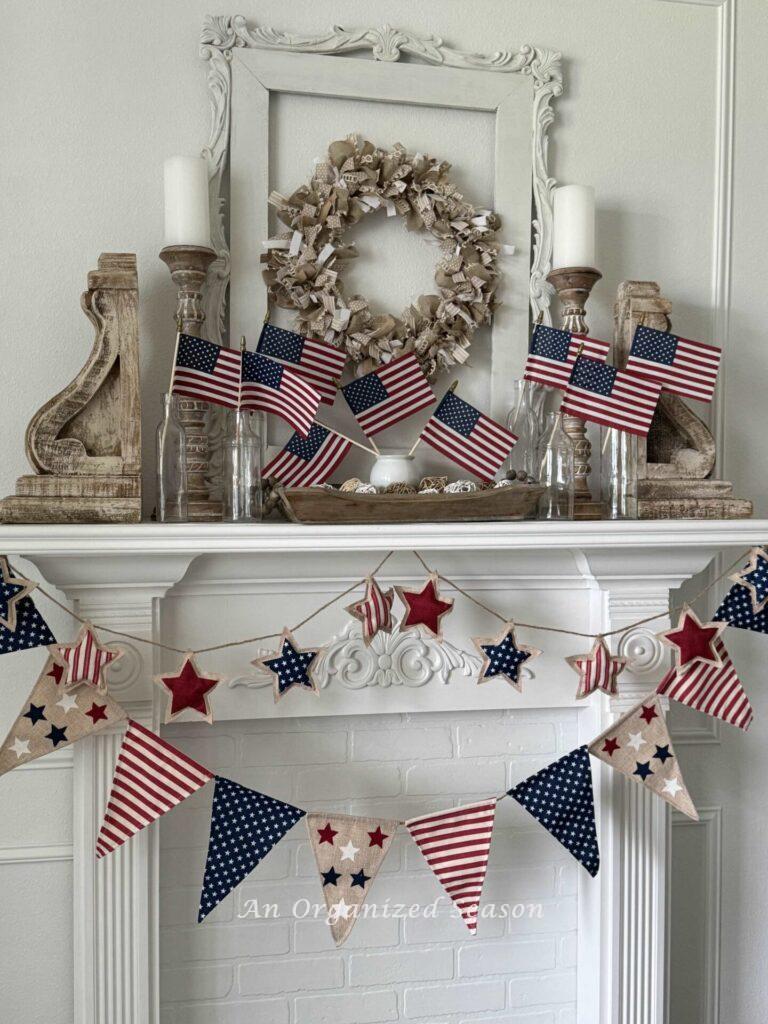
[598,670]
[377,837]
[693,640]
[374,611]
[85,660]
[188,688]
[424,608]
[17,588]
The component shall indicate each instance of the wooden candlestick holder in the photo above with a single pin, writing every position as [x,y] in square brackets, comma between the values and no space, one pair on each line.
[188,265]
[573,286]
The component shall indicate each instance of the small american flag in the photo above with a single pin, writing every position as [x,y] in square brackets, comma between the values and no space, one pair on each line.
[681,366]
[713,689]
[553,353]
[319,364]
[150,778]
[207,372]
[269,387]
[471,439]
[389,394]
[614,398]
[456,844]
[308,460]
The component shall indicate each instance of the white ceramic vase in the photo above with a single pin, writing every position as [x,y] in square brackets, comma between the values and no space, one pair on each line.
[394,466]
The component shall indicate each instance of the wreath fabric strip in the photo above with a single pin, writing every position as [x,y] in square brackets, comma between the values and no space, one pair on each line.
[303,266]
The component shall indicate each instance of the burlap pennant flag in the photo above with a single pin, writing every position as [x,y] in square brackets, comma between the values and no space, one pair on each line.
[560,798]
[715,690]
[52,719]
[151,777]
[349,852]
[245,826]
[638,745]
[456,844]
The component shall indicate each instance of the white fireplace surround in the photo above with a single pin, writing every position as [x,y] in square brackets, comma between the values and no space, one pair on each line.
[194,585]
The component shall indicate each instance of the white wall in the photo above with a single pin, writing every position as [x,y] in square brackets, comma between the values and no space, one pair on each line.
[96,95]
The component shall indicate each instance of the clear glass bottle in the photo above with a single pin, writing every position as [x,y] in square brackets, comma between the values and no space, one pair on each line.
[524,422]
[171,439]
[241,469]
[618,470]
[555,470]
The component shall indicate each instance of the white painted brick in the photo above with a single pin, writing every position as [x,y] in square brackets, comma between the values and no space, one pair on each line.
[529,846]
[292,975]
[314,936]
[556,916]
[212,751]
[508,739]
[186,984]
[223,942]
[390,968]
[567,1015]
[400,808]
[284,896]
[557,987]
[349,1008]
[415,890]
[274,781]
[401,745]
[180,906]
[512,957]
[356,781]
[295,748]
[263,1011]
[525,884]
[427,1001]
[522,768]
[447,927]
[186,825]
[567,952]
[568,878]
[455,779]
[546,1017]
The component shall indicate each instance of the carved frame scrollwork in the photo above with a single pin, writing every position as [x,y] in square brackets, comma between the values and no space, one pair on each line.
[221,34]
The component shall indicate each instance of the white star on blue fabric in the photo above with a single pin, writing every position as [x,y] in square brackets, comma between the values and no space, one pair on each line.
[502,656]
[245,826]
[31,630]
[754,576]
[290,666]
[738,606]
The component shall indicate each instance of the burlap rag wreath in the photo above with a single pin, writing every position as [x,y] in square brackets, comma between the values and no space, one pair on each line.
[303,265]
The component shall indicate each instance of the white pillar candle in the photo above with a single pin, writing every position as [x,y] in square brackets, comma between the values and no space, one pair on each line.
[573,242]
[187,217]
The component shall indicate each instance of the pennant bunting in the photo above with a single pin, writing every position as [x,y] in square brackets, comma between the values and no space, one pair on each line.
[309,460]
[598,670]
[456,845]
[321,365]
[374,611]
[290,666]
[85,660]
[553,353]
[638,745]
[425,608]
[245,826]
[188,689]
[599,393]
[31,629]
[51,719]
[468,437]
[693,641]
[387,395]
[737,610]
[349,852]
[13,589]
[754,576]
[151,777]
[560,798]
[503,656]
[682,367]
[715,690]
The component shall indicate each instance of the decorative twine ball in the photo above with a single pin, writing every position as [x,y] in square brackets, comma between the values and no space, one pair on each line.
[433,483]
[429,490]
[461,487]
[351,485]
[364,488]
[502,483]
[511,474]
[399,488]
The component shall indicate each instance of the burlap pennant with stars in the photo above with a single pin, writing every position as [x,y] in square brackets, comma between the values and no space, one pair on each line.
[349,852]
[53,718]
[638,745]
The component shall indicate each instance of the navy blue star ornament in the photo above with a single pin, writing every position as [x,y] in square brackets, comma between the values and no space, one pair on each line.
[503,656]
[13,589]
[290,666]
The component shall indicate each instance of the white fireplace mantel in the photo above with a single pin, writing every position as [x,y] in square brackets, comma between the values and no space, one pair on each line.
[212,582]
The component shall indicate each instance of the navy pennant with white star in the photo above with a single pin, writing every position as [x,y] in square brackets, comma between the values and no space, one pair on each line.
[245,826]
[560,798]
[745,604]
[503,656]
[290,666]
[31,629]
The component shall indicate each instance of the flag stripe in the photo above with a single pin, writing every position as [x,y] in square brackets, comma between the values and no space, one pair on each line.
[712,689]
[293,471]
[407,389]
[629,407]
[555,373]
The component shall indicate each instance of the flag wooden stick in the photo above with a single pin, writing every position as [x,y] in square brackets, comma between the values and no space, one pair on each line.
[175,354]
[417,442]
[559,417]
[350,439]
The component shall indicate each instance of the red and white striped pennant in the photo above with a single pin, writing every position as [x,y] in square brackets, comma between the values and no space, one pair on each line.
[456,846]
[715,690]
[151,777]
[374,611]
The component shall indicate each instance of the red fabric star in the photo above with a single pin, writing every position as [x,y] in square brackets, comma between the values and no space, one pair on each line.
[189,688]
[424,607]
[377,837]
[648,713]
[56,672]
[97,713]
[327,834]
[693,640]
[598,670]
[611,746]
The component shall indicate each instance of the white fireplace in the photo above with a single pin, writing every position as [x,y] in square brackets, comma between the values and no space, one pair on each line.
[397,730]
